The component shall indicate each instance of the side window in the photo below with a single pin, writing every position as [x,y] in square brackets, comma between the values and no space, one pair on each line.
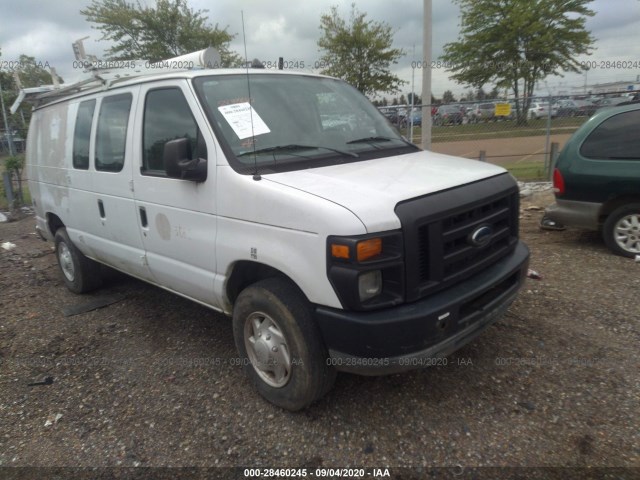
[617,138]
[111,136]
[167,116]
[82,134]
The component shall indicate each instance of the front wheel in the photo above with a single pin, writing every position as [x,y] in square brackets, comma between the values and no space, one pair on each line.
[80,273]
[280,344]
[621,231]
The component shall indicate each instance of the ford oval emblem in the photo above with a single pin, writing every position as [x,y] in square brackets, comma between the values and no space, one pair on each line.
[481,236]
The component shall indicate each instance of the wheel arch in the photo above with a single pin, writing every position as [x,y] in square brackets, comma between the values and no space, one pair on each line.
[245,273]
[615,203]
[53,223]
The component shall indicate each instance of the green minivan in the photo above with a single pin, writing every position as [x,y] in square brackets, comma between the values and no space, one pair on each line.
[596,179]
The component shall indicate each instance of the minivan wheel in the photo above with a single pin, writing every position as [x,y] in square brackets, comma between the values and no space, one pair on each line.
[621,231]
[80,274]
[280,345]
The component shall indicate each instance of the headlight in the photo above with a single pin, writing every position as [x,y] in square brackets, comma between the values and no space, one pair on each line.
[367,271]
[369,285]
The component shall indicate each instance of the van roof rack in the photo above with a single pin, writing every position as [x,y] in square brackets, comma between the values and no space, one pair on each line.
[100,75]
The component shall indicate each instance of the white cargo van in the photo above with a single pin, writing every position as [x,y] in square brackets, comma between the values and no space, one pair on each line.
[284,200]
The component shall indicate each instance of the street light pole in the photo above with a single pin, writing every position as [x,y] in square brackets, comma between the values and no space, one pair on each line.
[426,76]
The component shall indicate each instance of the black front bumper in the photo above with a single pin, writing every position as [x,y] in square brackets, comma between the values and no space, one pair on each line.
[408,336]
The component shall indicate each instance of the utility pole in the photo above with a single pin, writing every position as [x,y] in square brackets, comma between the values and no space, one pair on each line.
[413,94]
[426,76]
[8,132]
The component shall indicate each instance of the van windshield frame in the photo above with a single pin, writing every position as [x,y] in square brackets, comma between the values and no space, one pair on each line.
[332,120]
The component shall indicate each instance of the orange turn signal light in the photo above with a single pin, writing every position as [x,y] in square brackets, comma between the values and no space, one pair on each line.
[339,251]
[369,248]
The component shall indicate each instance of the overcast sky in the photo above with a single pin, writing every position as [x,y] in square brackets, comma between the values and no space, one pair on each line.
[45,30]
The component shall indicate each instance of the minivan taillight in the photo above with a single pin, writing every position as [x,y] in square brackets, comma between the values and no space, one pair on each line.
[558,182]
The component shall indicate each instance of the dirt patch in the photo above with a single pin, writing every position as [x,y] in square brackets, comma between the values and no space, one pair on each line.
[153,379]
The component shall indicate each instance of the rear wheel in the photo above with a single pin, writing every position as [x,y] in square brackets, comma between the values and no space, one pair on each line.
[80,274]
[621,231]
[280,344]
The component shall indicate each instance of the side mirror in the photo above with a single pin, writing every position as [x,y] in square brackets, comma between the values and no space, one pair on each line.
[176,157]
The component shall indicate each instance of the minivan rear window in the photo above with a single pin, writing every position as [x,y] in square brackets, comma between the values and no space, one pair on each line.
[617,138]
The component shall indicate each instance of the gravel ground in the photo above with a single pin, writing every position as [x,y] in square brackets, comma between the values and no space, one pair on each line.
[151,380]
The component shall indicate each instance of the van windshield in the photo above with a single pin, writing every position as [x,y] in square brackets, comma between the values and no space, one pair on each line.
[294,122]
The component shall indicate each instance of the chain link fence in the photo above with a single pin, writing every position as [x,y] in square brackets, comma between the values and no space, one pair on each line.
[501,132]
[12,143]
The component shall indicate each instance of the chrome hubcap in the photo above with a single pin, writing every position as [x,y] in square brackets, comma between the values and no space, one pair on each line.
[267,349]
[66,261]
[627,233]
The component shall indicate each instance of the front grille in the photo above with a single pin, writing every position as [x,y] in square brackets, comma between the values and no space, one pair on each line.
[438,230]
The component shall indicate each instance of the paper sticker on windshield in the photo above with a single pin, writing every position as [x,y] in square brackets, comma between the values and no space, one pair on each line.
[244,120]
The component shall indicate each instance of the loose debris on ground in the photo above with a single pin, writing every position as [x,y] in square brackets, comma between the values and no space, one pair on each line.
[153,379]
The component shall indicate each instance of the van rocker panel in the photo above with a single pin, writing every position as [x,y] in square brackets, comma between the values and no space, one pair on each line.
[405,337]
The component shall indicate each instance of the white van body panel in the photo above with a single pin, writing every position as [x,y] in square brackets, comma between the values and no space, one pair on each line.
[371,189]
[114,238]
[72,194]
[282,227]
[180,237]
[196,233]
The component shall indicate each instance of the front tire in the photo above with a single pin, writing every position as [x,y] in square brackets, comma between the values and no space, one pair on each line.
[280,345]
[621,231]
[80,274]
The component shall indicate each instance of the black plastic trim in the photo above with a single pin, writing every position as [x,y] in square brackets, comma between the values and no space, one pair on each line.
[343,273]
[411,328]
[423,220]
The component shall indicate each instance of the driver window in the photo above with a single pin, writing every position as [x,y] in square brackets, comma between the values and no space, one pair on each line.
[167,116]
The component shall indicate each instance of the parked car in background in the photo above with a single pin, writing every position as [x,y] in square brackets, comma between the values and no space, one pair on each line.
[415,118]
[481,112]
[463,108]
[540,110]
[597,179]
[586,108]
[610,102]
[567,108]
[448,115]
[393,116]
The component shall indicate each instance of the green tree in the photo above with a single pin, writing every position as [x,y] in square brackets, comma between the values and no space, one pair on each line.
[15,165]
[416,101]
[448,97]
[516,43]
[470,96]
[359,51]
[31,74]
[167,30]
[494,93]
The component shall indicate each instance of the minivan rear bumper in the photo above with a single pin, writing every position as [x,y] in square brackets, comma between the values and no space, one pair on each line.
[575,214]
[413,335]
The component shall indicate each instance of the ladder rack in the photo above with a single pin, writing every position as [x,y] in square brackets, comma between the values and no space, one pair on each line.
[107,77]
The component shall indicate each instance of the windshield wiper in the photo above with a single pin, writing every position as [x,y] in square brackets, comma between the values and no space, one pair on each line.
[374,139]
[370,139]
[293,147]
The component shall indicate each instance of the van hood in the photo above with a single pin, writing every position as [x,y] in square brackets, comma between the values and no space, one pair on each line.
[372,188]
